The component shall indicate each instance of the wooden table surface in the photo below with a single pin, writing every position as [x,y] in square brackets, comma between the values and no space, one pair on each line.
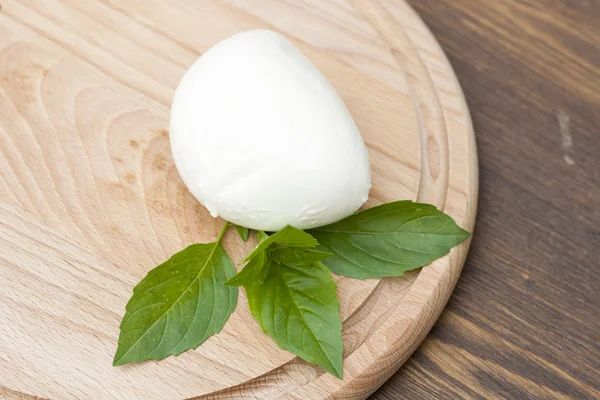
[524,320]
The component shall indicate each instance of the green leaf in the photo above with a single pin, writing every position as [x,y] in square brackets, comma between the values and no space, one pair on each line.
[243,232]
[178,305]
[261,235]
[287,237]
[298,307]
[254,270]
[388,240]
[297,256]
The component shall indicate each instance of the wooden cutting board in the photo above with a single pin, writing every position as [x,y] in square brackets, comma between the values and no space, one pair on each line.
[90,199]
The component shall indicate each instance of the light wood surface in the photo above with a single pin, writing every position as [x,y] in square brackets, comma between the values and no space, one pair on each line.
[90,199]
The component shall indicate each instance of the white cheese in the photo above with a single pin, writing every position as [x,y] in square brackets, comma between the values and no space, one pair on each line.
[263,140]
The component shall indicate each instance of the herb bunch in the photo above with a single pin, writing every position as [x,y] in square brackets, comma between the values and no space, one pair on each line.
[287,278]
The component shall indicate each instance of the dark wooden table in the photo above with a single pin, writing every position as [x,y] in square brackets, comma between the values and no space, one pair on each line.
[524,321]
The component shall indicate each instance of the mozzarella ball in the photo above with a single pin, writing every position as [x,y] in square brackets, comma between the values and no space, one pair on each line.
[262,139]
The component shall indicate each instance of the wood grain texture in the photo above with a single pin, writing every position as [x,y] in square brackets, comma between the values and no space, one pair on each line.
[524,320]
[90,199]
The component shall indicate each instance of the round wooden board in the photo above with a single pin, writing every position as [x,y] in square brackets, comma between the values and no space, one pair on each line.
[90,199]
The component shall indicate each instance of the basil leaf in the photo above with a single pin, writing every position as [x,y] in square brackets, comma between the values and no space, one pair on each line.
[288,236]
[388,240]
[178,305]
[261,235]
[254,270]
[243,232]
[298,307]
[297,256]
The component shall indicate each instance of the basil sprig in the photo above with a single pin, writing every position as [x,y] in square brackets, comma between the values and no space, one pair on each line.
[287,279]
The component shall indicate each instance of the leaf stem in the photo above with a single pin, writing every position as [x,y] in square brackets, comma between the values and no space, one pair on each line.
[223,230]
[261,235]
